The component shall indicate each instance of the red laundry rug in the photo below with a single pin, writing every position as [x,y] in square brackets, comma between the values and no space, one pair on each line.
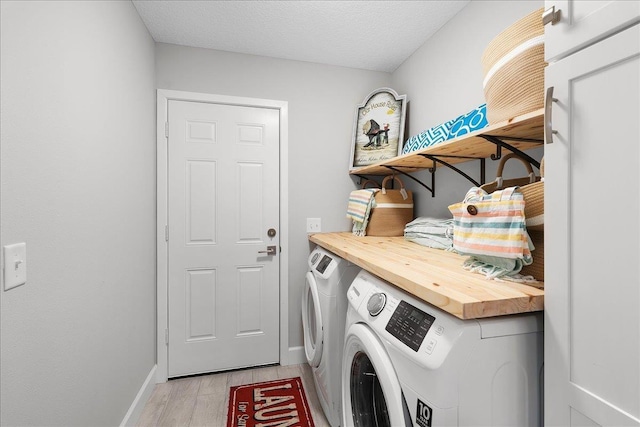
[280,403]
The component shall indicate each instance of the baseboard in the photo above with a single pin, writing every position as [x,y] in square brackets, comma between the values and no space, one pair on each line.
[296,356]
[131,418]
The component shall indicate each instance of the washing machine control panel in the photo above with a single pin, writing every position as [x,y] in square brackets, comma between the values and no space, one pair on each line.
[409,324]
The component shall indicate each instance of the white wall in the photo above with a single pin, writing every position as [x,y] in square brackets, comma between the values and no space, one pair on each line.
[78,186]
[322,102]
[443,79]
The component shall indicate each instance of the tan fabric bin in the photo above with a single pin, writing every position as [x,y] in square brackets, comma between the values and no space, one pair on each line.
[392,211]
[536,269]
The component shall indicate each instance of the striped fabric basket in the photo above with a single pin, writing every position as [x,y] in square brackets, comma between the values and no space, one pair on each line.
[513,66]
[494,226]
[491,224]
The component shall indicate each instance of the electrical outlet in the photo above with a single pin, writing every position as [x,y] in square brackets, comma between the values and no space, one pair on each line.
[314,225]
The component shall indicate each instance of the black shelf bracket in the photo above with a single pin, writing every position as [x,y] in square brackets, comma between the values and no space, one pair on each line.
[363,177]
[438,159]
[499,141]
[433,178]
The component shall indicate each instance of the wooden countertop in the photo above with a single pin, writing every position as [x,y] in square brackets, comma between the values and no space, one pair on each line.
[433,275]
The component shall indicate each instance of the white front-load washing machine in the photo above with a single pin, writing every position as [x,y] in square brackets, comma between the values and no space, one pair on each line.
[408,363]
[324,308]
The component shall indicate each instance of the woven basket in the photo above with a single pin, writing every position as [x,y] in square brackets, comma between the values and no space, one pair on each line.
[536,269]
[513,66]
[532,189]
[392,212]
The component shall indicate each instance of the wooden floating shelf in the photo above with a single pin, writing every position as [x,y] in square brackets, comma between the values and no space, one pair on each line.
[529,126]
[433,275]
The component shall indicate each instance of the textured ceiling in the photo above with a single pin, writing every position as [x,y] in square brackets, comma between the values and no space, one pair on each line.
[371,35]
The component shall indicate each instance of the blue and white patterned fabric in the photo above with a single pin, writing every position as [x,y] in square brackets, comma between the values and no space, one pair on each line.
[428,137]
[464,124]
[470,122]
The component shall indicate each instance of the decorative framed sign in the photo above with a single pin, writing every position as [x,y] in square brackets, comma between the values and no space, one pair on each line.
[378,128]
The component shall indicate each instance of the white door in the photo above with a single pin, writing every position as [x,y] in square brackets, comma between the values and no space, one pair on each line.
[223,197]
[592,235]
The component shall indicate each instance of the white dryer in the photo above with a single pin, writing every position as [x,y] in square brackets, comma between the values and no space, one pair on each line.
[408,363]
[324,308]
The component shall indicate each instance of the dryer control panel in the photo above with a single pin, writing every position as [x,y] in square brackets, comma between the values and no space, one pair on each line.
[322,265]
[409,324]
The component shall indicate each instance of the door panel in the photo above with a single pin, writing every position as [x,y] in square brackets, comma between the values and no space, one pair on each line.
[592,183]
[250,199]
[201,303]
[223,196]
[201,202]
[201,132]
[603,369]
[250,293]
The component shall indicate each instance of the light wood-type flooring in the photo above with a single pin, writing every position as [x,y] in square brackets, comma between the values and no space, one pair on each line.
[203,400]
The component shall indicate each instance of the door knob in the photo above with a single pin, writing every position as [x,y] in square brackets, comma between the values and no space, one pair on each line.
[271,250]
[271,232]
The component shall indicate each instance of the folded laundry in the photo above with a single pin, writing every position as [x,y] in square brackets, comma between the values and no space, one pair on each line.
[432,232]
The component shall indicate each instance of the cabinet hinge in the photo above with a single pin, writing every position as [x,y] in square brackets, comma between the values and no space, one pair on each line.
[166,233]
[166,129]
[166,336]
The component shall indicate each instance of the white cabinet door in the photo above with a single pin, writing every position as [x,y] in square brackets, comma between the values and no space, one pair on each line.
[584,22]
[592,232]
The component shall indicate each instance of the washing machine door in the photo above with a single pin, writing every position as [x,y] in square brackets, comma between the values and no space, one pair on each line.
[312,321]
[371,392]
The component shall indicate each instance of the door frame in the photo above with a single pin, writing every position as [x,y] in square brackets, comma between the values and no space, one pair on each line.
[162,301]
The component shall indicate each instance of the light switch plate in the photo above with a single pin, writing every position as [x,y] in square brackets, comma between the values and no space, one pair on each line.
[15,265]
[314,225]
